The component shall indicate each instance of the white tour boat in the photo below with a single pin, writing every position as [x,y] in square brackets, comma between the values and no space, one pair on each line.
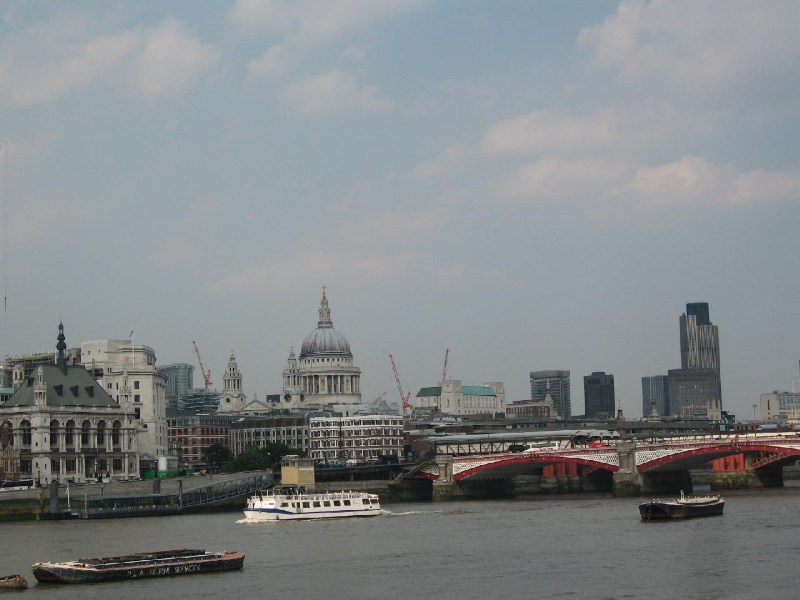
[285,504]
[296,499]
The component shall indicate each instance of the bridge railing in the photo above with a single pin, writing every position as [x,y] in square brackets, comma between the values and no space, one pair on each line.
[223,490]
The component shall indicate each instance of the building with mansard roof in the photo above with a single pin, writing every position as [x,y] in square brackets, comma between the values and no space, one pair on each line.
[324,377]
[63,426]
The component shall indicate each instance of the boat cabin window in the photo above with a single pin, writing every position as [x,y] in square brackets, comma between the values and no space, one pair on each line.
[327,503]
[347,502]
[306,505]
[317,504]
[284,505]
[337,503]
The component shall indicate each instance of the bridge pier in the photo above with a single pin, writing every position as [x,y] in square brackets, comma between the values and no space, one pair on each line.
[446,488]
[737,472]
[560,479]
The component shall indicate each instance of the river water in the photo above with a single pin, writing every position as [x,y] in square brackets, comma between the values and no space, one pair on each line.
[546,547]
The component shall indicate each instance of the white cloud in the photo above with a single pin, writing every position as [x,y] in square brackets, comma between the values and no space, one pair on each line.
[332,92]
[275,61]
[553,179]
[695,181]
[180,245]
[314,22]
[609,132]
[696,46]
[45,61]
[691,183]
[171,60]
[288,272]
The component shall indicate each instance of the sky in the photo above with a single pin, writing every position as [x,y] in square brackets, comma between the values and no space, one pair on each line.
[531,185]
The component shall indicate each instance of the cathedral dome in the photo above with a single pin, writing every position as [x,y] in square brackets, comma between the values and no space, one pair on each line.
[325,340]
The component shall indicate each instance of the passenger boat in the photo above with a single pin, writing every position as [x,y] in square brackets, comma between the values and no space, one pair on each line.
[684,507]
[163,563]
[294,503]
[13,582]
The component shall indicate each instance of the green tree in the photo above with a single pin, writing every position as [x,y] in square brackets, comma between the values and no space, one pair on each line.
[258,459]
[216,456]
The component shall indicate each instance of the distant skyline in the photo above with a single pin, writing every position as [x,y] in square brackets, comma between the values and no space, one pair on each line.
[533,185]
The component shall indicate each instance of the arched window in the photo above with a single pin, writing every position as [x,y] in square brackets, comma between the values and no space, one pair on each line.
[69,434]
[85,429]
[54,433]
[116,433]
[101,434]
[7,434]
[25,429]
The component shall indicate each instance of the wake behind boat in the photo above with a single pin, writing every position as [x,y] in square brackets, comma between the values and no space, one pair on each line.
[684,507]
[294,500]
[135,566]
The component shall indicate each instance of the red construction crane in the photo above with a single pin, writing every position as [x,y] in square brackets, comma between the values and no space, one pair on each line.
[404,397]
[206,372]
[444,369]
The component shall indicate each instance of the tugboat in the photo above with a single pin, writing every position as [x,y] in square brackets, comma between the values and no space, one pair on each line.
[684,507]
[163,563]
[296,500]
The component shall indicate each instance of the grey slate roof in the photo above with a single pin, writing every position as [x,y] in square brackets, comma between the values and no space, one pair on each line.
[66,386]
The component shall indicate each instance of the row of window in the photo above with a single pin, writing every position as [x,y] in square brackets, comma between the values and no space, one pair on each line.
[26,433]
[355,443]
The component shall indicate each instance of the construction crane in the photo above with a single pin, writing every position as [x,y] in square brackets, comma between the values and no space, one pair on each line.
[404,396]
[206,372]
[444,369]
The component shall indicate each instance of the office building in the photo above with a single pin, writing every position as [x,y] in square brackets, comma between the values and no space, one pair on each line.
[556,384]
[696,388]
[179,382]
[598,394]
[655,396]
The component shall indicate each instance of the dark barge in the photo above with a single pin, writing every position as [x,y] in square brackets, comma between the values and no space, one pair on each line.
[684,507]
[164,563]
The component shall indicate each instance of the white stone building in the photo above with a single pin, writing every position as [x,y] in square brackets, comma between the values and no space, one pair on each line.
[324,377]
[454,399]
[125,369]
[62,426]
[355,437]
[780,406]
[233,398]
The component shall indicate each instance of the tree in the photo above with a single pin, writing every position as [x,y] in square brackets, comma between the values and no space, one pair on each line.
[216,456]
[258,459]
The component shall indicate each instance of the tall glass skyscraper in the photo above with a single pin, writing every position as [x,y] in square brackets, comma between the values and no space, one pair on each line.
[696,388]
[655,395]
[179,381]
[557,384]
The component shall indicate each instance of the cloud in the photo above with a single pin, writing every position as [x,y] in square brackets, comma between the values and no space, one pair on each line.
[695,181]
[696,46]
[180,245]
[548,133]
[170,60]
[314,22]
[332,92]
[288,272]
[45,61]
[275,62]
[691,183]
[555,180]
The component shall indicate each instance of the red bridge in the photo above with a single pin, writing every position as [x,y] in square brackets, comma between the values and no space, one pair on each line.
[630,467]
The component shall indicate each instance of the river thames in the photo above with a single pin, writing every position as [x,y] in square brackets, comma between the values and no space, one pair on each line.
[546,547]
